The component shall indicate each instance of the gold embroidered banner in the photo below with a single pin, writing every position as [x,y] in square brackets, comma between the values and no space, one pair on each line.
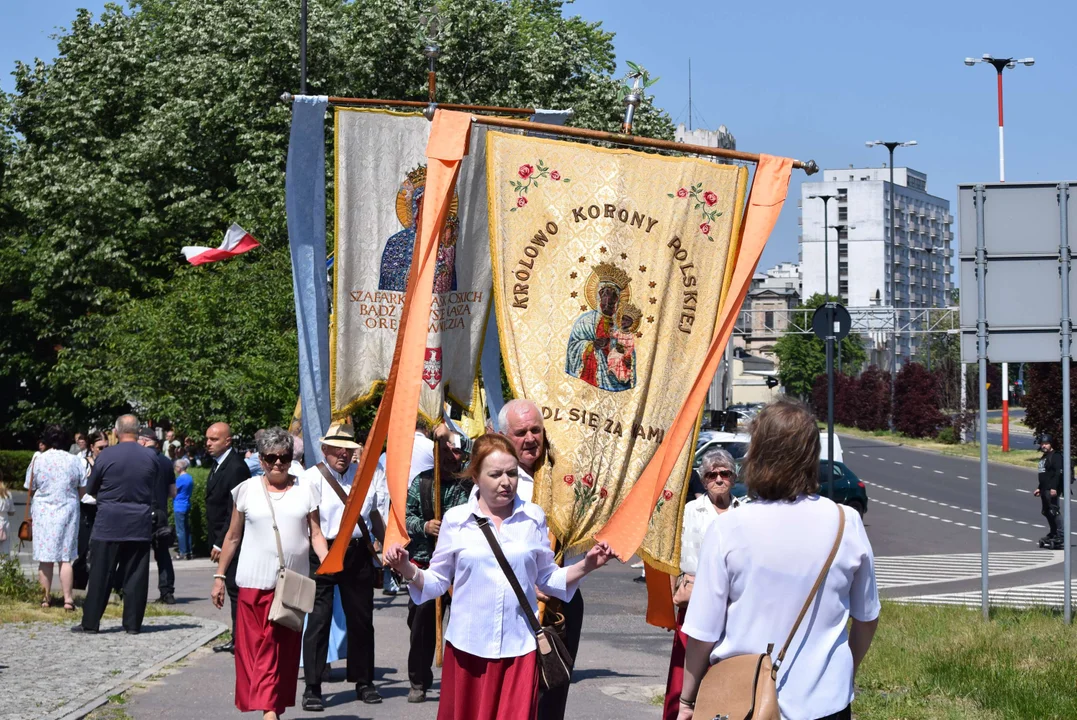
[609,268]
[381,169]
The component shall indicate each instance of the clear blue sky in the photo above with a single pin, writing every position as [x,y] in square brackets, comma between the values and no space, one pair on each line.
[814,81]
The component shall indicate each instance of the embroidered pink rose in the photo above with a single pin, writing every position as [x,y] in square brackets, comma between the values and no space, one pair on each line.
[682,193]
[555,175]
[570,479]
[588,480]
[521,201]
[603,493]
[526,171]
[710,198]
[705,228]
[667,494]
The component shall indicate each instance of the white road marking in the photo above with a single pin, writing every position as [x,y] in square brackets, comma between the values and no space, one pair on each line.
[962,477]
[939,472]
[896,462]
[903,571]
[917,467]
[883,459]
[992,484]
[1026,492]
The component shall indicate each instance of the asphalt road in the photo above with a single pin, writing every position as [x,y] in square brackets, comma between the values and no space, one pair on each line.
[925,504]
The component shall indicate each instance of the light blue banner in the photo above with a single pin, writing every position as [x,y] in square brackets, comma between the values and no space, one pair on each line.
[304,198]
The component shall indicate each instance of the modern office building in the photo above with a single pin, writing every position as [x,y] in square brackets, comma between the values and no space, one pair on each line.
[858,251]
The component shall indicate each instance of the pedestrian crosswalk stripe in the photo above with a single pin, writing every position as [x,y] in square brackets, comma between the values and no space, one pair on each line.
[909,570]
[1049,595]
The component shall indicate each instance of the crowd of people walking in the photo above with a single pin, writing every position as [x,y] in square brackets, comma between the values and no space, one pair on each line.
[102,510]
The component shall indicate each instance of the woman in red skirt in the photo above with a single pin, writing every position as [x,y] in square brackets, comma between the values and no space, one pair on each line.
[491,669]
[267,654]
[718,473]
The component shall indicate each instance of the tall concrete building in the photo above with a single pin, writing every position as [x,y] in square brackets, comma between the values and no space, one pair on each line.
[859,255]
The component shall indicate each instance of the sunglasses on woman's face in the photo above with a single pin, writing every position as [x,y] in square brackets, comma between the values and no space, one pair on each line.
[272,459]
[724,474]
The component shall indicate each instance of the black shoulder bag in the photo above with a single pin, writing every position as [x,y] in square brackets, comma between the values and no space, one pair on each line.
[555,661]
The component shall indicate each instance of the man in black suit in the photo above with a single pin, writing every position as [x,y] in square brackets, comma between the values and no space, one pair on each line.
[164,488]
[227,471]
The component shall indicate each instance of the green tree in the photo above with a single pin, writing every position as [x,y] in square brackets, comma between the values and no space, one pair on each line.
[154,128]
[802,358]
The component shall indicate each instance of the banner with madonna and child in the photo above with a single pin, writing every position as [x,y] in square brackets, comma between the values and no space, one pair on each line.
[610,267]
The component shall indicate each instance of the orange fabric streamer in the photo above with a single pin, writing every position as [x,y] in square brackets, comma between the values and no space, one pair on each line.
[660,612]
[435,207]
[628,525]
[447,146]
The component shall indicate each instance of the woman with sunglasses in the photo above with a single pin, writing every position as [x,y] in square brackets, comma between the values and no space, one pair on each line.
[267,654]
[718,473]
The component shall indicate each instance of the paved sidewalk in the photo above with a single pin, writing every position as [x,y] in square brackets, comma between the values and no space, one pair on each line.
[48,672]
[622,664]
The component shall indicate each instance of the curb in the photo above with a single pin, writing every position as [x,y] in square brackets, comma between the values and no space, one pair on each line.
[120,686]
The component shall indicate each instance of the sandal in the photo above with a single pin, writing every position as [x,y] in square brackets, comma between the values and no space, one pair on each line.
[47,602]
[69,607]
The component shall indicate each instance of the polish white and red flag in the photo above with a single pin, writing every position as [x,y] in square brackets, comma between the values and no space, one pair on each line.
[236,242]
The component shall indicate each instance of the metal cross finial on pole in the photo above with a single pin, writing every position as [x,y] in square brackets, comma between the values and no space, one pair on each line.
[890,146]
[1001,64]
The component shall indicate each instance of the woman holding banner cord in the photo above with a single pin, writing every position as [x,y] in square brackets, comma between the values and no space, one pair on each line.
[788,551]
[491,667]
[718,474]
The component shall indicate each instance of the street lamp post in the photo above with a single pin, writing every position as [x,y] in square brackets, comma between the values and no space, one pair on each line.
[837,229]
[828,309]
[890,146]
[1001,64]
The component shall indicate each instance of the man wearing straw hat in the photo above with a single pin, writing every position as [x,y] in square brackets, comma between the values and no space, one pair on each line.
[355,582]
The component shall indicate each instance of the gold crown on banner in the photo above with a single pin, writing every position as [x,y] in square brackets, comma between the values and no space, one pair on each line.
[417,179]
[606,274]
[630,311]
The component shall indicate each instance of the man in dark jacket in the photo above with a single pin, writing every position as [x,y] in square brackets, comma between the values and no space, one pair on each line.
[227,471]
[1050,489]
[163,489]
[122,480]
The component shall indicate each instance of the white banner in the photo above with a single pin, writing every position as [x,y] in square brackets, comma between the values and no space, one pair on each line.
[380,178]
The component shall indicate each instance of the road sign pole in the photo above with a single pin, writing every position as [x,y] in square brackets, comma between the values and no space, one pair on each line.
[830,402]
[1067,331]
[981,355]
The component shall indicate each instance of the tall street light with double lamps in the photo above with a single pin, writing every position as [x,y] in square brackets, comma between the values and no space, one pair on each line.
[891,146]
[837,229]
[1001,64]
[828,310]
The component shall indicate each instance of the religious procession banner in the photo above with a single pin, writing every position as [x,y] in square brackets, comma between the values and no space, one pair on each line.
[609,270]
[380,185]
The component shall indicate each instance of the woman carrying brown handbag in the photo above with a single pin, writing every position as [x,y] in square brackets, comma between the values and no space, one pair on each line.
[766,565]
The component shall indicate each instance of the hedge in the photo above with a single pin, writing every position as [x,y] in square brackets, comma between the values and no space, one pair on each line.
[13,464]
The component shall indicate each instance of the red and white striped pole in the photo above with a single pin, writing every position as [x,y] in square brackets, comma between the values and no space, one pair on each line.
[1002,178]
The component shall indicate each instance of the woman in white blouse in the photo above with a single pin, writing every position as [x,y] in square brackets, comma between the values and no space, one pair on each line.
[267,654]
[491,669]
[757,567]
[718,473]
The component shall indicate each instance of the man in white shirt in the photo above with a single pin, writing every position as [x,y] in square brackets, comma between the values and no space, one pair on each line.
[355,581]
[521,421]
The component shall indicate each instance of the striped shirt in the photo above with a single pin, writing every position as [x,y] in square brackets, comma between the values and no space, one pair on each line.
[486,618]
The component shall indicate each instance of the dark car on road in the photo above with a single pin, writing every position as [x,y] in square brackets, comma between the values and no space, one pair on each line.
[848,489]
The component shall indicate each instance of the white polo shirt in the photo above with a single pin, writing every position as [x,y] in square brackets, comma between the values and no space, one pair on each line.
[331,509]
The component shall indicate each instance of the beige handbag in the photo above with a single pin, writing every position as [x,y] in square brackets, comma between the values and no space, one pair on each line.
[744,687]
[293,597]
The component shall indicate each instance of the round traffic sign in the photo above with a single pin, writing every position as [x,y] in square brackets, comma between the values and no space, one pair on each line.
[831,320]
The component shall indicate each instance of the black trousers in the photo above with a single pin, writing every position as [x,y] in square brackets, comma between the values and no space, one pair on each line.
[81,566]
[232,588]
[166,574]
[845,714]
[422,622]
[356,583]
[1049,508]
[552,702]
[131,563]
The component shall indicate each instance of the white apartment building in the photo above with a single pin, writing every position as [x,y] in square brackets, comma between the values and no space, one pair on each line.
[859,251]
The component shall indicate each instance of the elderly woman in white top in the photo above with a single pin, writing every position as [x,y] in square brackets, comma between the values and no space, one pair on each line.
[718,473]
[757,568]
[267,654]
[491,669]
